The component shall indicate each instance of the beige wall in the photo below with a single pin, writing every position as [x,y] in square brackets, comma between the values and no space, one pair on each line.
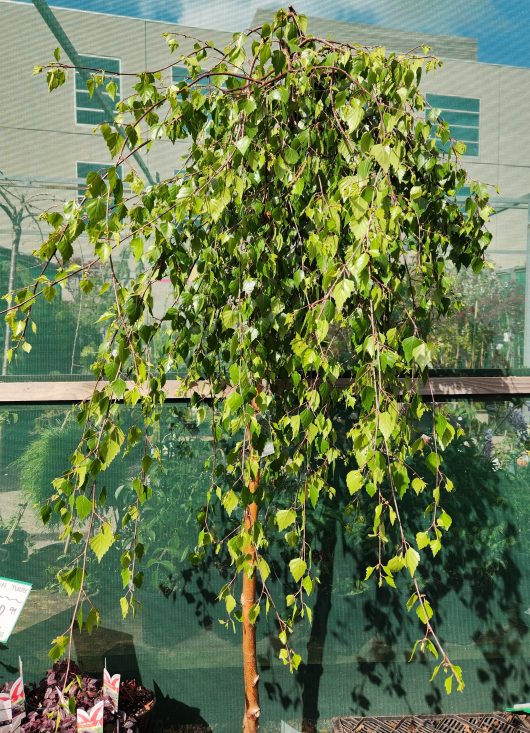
[41,136]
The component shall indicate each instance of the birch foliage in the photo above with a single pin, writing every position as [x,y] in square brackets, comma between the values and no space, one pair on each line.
[306,238]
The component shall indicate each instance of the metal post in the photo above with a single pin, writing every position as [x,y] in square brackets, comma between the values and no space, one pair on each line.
[68,47]
[526,345]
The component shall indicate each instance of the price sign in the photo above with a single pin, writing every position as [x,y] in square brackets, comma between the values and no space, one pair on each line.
[13,596]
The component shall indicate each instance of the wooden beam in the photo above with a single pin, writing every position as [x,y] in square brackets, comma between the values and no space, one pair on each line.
[477,387]
[20,393]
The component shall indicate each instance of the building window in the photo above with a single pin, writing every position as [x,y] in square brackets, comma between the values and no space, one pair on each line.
[88,110]
[180,74]
[462,115]
[83,169]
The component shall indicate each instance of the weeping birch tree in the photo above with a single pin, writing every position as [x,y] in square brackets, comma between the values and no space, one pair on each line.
[306,239]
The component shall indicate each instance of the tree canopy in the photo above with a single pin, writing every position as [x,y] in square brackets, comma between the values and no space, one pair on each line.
[306,237]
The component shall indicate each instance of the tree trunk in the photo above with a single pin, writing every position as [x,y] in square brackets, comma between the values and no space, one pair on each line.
[314,668]
[248,598]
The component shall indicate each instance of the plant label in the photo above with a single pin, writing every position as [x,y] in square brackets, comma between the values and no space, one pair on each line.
[286,728]
[18,698]
[13,596]
[16,723]
[91,721]
[18,702]
[5,712]
[111,687]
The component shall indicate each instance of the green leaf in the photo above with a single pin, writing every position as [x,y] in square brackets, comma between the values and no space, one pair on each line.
[395,564]
[126,576]
[435,672]
[412,558]
[436,546]
[422,355]
[234,401]
[381,153]
[352,114]
[93,619]
[101,542]
[342,291]
[234,374]
[307,585]
[112,89]
[424,611]
[264,569]
[110,448]
[444,430]
[137,247]
[422,539]
[387,423]
[412,601]
[359,264]
[230,501]
[298,567]
[409,344]
[418,485]
[49,292]
[290,155]
[83,507]
[432,461]
[71,579]
[79,618]
[444,520]
[243,144]
[58,649]
[118,387]
[354,481]
[285,518]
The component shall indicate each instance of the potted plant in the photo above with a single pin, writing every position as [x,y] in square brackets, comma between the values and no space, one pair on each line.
[66,698]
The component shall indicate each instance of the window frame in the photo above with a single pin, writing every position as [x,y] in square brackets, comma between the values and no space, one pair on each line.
[116,76]
[473,113]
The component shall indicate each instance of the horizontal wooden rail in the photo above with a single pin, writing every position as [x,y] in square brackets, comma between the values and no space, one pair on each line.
[71,392]
[477,387]
[20,393]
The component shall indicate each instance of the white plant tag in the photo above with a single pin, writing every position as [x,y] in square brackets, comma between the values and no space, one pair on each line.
[13,596]
[5,711]
[91,721]
[286,728]
[18,696]
[111,687]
